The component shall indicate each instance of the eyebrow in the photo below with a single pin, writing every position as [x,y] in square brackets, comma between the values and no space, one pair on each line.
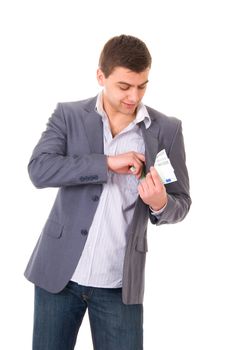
[124,83]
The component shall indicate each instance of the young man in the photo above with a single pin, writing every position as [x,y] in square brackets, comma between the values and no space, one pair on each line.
[91,253]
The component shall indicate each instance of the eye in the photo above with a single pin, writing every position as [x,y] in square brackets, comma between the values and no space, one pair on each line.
[123,88]
[142,87]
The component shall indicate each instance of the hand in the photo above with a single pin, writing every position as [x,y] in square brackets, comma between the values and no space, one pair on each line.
[123,163]
[152,191]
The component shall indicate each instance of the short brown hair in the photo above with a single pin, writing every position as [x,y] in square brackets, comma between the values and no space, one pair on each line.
[124,51]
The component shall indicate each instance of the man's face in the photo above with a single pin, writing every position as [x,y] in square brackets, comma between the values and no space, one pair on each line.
[123,90]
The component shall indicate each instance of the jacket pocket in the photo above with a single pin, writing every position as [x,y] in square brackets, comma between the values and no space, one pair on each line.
[141,244]
[53,229]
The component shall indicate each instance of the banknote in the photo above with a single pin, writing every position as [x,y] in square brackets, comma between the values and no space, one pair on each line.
[164,168]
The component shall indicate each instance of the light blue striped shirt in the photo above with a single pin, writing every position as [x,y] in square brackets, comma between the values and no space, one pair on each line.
[101,262]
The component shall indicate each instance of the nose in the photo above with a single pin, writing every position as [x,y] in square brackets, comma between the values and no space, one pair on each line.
[133,96]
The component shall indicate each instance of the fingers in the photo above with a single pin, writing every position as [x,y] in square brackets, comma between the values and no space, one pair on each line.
[136,164]
[140,156]
[156,178]
[147,185]
[136,169]
[152,191]
[152,182]
[127,163]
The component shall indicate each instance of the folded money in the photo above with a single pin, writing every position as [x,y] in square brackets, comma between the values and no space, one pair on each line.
[164,168]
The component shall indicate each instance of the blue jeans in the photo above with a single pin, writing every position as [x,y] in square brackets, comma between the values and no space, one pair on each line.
[114,325]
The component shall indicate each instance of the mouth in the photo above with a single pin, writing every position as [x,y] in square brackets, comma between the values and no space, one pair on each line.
[130,105]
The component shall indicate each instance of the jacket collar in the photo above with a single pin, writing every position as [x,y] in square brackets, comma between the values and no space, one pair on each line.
[94,131]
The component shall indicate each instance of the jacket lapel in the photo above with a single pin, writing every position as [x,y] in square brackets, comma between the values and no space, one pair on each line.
[150,137]
[93,127]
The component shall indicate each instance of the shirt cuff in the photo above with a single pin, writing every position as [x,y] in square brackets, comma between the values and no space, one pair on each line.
[157,212]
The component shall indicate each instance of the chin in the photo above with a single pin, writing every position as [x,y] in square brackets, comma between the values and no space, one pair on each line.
[130,111]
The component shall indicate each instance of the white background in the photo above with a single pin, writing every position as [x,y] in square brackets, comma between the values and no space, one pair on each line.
[49,54]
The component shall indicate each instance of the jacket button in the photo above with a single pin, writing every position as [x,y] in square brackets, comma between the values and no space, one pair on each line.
[84,232]
[95,198]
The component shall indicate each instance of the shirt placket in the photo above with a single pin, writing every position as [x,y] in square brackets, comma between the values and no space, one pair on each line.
[108,149]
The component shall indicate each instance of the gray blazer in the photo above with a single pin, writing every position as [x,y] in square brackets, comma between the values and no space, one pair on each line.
[70,156]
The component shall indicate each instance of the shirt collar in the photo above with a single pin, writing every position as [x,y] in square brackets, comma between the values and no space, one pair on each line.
[141,115]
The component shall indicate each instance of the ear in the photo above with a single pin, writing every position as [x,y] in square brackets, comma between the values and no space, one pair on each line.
[100,77]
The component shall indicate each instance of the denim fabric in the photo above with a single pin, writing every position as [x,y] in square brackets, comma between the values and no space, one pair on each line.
[58,317]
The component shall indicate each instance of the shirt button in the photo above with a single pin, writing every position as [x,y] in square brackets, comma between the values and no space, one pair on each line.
[95,198]
[84,232]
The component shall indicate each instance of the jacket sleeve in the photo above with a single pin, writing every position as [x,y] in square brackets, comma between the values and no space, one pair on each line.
[179,200]
[50,166]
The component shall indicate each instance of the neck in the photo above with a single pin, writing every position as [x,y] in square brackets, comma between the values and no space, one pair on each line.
[118,124]
[118,121]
